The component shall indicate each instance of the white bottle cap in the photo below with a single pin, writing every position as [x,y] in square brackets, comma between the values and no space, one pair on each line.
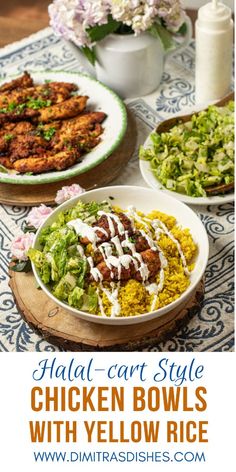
[215,16]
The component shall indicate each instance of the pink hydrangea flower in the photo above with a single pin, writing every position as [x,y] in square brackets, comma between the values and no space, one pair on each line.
[68,192]
[38,215]
[21,244]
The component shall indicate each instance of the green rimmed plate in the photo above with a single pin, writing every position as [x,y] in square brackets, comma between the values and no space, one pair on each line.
[101,99]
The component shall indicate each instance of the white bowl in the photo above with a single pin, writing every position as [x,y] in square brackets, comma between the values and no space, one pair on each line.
[145,200]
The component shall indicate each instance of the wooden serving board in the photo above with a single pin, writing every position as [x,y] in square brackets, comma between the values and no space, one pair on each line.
[99,176]
[73,334]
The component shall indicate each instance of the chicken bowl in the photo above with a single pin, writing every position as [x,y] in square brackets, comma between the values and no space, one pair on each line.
[120,255]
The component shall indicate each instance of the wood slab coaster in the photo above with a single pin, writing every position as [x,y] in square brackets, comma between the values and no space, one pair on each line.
[99,176]
[71,333]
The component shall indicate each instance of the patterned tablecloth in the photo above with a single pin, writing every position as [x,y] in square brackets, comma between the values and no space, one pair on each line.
[212,328]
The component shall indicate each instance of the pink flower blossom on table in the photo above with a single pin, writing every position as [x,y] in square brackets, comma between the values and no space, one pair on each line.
[21,244]
[68,192]
[38,215]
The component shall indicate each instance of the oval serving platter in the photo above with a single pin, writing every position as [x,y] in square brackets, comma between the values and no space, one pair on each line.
[101,98]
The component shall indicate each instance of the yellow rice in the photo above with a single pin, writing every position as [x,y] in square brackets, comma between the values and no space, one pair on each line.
[133,297]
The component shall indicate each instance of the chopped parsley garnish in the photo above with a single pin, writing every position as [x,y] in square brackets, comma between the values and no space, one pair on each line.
[34,103]
[10,107]
[37,103]
[46,92]
[45,133]
[8,137]
[131,239]
[20,108]
[49,133]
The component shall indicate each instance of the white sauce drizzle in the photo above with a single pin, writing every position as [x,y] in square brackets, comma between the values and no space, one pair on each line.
[131,212]
[117,245]
[124,260]
[105,249]
[100,304]
[80,250]
[102,230]
[156,224]
[111,217]
[157,288]
[97,275]
[113,298]
[84,230]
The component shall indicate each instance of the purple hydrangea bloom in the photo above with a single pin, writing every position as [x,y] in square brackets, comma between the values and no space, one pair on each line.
[71,19]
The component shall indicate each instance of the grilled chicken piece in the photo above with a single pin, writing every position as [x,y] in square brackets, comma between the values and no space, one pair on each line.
[17,128]
[55,92]
[42,127]
[22,127]
[21,82]
[69,108]
[47,162]
[150,258]
[83,121]
[16,97]
[23,146]
[5,161]
[4,145]
[26,114]
[139,241]
[83,139]
[103,223]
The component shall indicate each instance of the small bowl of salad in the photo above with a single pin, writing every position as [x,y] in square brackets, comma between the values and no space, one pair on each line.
[192,156]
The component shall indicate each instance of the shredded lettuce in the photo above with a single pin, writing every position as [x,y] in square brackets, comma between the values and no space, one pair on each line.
[59,262]
[197,154]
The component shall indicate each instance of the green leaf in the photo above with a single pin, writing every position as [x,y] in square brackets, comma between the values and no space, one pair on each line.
[89,54]
[23,266]
[183,30]
[96,33]
[28,228]
[158,31]
[8,137]
[3,169]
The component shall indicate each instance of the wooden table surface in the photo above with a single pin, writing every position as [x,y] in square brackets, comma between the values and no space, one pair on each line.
[20,18]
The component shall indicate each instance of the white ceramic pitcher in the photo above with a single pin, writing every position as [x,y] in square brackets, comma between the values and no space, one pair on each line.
[132,65]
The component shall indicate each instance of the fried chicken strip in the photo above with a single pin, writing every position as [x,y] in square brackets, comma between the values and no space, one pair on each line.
[46,162]
[69,108]
[103,223]
[82,121]
[149,257]
[23,81]
[4,145]
[26,114]
[83,139]
[22,127]
[23,146]
[137,239]
[5,161]
[55,92]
